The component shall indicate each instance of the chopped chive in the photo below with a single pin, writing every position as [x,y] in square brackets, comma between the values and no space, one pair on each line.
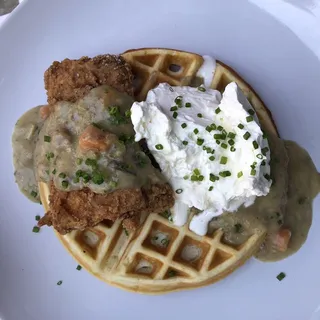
[218,141]
[62,175]
[231,135]
[175,108]
[196,172]
[240,126]
[159,146]
[65,184]
[178,100]
[210,188]
[246,136]
[113,184]
[91,162]
[267,177]
[202,89]
[217,111]
[212,158]
[251,112]
[188,105]
[97,177]
[199,115]
[224,145]
[79,161]
[171,89]
[249,118]
[224,174]
[238,227]
[223,160]
[128,113]
[200,141]
[263,163]
[253,172]
[231,142]
[175,115]
[113,110]
[79,267]
[195,131]
[86,177]
[178,191]
[59,283]
[265,150]
[47,139]
[264,135]
[220,128]
[35,229]
[76,179]
[49,155]
[260,156]
[240,174]
[54,171]
[212,177]
[37,218]
[218,136]
[184,142]
[209,128]
[186,177]
[194,178]
[184,125]
[233,149]
[255,144]
[281,276]
[33,194]
[79,173]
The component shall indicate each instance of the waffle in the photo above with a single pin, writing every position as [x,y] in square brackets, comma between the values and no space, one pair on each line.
[160,257]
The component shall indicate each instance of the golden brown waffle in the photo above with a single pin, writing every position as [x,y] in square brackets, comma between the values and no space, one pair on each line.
[160,257]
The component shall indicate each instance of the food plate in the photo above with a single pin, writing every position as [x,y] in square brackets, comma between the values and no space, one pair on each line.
[263,42]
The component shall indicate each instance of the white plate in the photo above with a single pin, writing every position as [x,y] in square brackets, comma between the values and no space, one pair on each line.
[275,45]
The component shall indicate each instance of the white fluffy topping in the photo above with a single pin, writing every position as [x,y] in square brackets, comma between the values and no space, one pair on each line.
[212,164]
[207,70]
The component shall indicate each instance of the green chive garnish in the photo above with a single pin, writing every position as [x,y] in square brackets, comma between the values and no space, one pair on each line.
[97,177]
[240,174]
[210,188]
[213,177]
[59,283]
[35,229]
[49,155]
[231,142]
[281,276]
[175,108]
[33,194]
[249,118]
[220,128]
[246,136]
[47,139]
[202,89]
[240,126]
[62,175]
[224,145]
[37,218]
[263,163]
[178,100]
[251,112]
[188,105]
[194,178]
[211,158]
[255,144]
[267,177]
[54,171]
[219,136]
[159,146]
[91,162]
[79,161]
[253,172]
[178,191]
[65,184]
[196,172]
[200,142]
[231,135]
[223,160]
[184,142]
[113,110]
[76,180]
[217,111]
[218,141]
[232,149]
[186,177]
[175,115]
[260,156]
[128,113]
[224,174]
[184,125]
[86,177]
[209,128]
[199,115]
[265,150]
[79,267]
[79,173]
[195,131]
[200,178]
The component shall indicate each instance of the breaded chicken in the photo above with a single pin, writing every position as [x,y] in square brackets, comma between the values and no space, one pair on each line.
[71,80]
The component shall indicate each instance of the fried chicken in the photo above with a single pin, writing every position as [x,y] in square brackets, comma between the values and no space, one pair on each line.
[71,80]
[84,208]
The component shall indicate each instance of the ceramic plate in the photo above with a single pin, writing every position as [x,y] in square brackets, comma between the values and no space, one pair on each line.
[275,45]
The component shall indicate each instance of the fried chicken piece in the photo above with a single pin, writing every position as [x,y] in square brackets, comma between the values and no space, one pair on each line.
[71,80]
[84,208]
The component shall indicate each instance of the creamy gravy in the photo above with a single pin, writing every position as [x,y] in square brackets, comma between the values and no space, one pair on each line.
[54,154]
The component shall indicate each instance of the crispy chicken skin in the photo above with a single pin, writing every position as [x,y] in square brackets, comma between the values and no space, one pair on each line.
[70,80]
[81,209]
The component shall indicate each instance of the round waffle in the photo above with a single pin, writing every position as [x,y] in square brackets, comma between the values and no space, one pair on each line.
[136,262]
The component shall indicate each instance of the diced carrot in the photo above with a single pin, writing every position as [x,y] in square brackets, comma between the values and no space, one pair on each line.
[45,112]
[282,239]
[92,138]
